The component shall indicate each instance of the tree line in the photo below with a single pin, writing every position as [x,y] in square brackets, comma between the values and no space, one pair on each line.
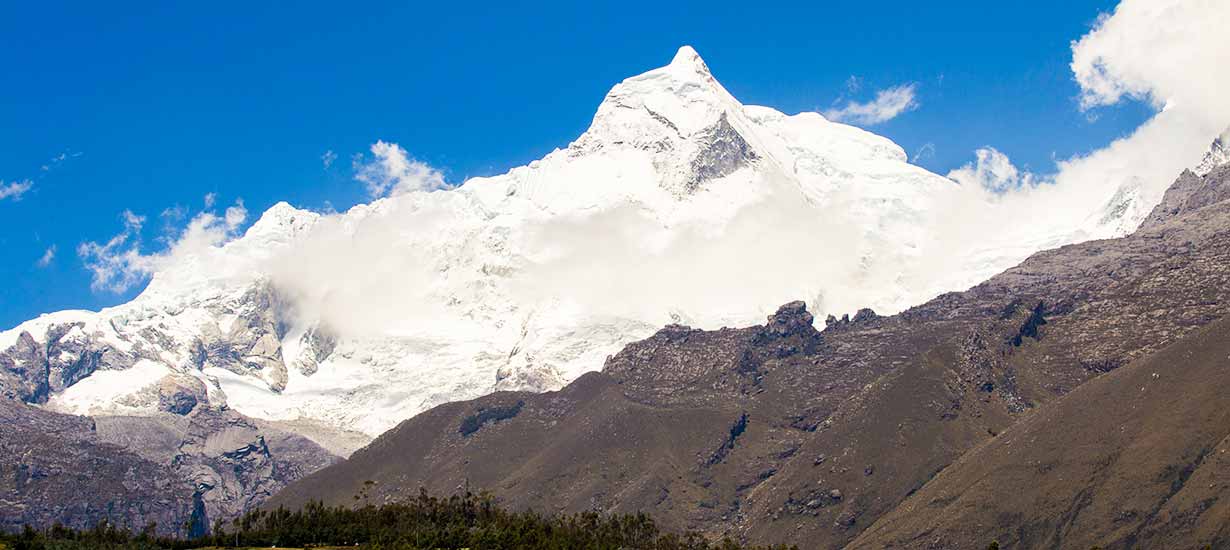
[426,522]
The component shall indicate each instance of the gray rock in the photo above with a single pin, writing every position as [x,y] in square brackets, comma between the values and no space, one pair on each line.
[180,394]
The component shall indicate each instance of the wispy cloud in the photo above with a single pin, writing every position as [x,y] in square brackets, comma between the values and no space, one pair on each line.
[328,158]
[888,104]
[393,172]
[47,257]
[60,158]
[925,152]
[119,263]
[854,84]
[14,189]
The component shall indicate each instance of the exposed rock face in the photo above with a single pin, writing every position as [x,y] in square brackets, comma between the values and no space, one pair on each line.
[1218,155]
[231,462]
[722,150]
[56,468]
[1190,193]
[792,319]
[240,334]
[24,371]
[317,344]
[180,394]
[251,344]
[181,472]
[818,435]
[31,370]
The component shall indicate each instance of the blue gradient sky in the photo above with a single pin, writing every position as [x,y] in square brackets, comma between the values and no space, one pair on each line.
[152,106]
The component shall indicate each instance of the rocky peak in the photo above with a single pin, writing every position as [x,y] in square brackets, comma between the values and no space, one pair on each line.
[674,101]
[862,316]
[690,127]
[686,59]
[1218,155]
[791,319]
[1192,191]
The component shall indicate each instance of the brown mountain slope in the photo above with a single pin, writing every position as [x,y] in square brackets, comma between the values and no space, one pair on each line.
[780,434]
[1136,458]
[169,469]
[55,468]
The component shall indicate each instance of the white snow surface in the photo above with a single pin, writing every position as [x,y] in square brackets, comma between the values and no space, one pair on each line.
[656,214]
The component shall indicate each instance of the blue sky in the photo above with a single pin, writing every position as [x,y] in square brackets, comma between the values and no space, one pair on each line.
[148,107]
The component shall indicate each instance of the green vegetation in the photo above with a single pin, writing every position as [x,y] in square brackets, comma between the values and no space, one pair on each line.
[474,422]
[470,521]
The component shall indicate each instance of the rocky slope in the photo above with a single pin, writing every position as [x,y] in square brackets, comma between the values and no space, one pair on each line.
[780,433]
[181,472]
[1134,459]
[55,468]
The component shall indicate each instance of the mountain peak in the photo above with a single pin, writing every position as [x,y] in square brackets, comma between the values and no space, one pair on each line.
[1218,154]
[667,103]
[687,58]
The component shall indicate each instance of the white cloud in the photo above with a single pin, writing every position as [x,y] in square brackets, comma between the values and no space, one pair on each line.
[1172,54]
[235,215]
[328,158]
[888,104]
[56,160]
[393,172]
[994,172]
[854,84]
[1163,51]
[210,199]
[1169,53]
[14,189]
[119,264]
[47,257]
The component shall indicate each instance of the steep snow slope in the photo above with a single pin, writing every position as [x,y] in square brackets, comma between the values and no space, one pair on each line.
[679,204]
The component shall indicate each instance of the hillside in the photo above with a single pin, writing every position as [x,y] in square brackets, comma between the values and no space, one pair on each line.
[779,433]
[182,473]
[1133,459]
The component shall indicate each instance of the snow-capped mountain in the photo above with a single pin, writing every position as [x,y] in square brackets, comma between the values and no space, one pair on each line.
[678,204]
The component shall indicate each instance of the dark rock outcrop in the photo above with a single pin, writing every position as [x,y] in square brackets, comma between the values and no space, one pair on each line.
[722,151]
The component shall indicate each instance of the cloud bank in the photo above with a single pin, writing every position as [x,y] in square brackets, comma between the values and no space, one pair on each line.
[1168,53]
